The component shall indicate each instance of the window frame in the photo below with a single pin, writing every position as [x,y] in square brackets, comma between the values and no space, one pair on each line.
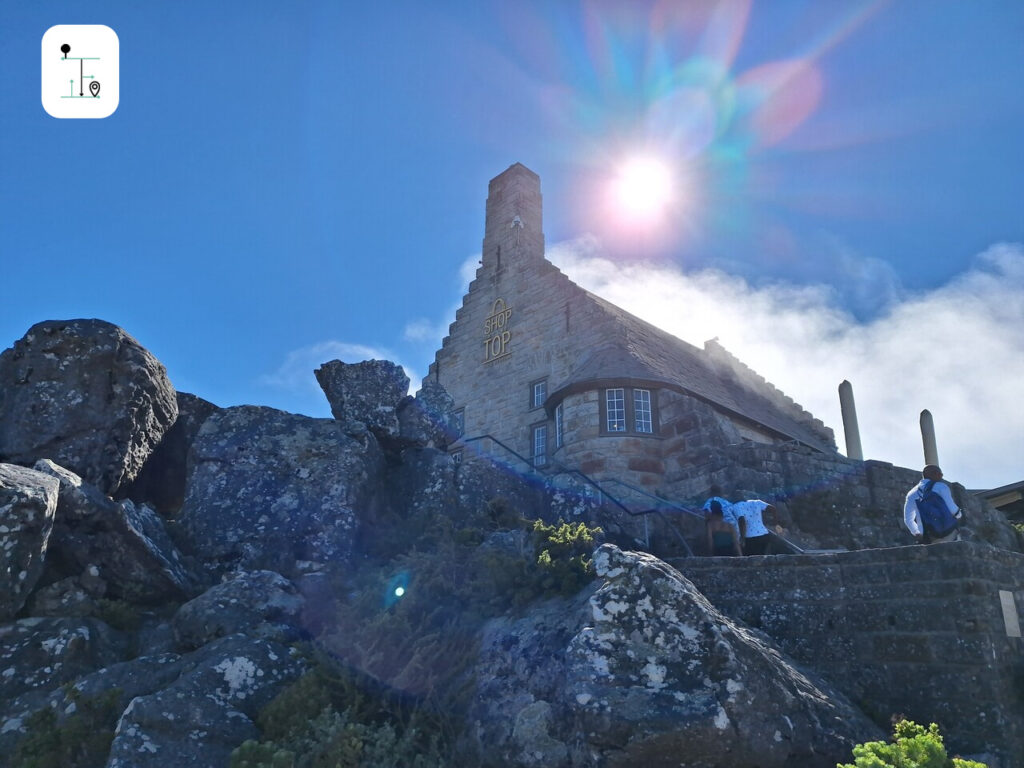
[533,393]
[539,459]
[606,422]
[459,422]
[559,426]
[630,411]
[636,412]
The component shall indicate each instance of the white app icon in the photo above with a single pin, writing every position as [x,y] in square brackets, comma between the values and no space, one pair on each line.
[80,70]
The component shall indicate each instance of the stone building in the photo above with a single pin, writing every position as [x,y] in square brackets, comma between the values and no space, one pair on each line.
[567,380]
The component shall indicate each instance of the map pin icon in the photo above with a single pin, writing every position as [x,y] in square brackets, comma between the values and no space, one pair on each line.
[94,86]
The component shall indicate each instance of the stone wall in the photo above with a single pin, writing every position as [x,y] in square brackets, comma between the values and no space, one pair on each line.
[918,631]
[825,501]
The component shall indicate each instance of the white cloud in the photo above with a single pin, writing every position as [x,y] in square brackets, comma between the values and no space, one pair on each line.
[957,350]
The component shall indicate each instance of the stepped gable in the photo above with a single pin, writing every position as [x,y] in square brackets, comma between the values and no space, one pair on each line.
[638,350]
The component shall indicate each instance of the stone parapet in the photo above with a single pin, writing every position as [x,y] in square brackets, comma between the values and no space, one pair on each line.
[918,631]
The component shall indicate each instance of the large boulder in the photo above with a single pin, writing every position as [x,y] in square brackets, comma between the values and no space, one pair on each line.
[44,653]
[161,483]
[368,392]
[122,682]
[208,710]
[87,395]
[272,490]
[28,503]
[248,602]
[127,544]
[428,420]
[647,672]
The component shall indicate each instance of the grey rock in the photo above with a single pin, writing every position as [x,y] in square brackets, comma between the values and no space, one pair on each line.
[369,392]
[173,728]
[243,603]
[267,489]
[644,671]
[43,653]
[208,710]
[428,420]
[659,670]
[161,482]
[127,544]
[129,679]
[28,503]
[87,395]
[479,483]
[67,597]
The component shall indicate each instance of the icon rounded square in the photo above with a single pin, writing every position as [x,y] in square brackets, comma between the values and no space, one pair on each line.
[80,71]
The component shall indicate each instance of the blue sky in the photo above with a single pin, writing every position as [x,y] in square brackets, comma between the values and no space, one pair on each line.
[283,184]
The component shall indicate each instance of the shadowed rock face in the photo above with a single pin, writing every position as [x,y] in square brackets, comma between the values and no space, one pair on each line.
[126,545]
[647,672]
[161,483]
[28,502]
[86,395]
[367,392]
[268,489]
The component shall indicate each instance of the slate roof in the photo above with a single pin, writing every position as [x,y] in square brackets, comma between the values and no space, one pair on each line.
[635,349]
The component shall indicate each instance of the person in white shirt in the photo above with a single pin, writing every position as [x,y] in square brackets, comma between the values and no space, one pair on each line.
[754,532]
[912,517]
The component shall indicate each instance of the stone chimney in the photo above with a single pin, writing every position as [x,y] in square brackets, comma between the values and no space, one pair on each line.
[513,231]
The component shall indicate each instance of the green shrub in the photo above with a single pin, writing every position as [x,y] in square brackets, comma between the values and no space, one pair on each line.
[324,720]
[563,556]
[913,746]
[82,740]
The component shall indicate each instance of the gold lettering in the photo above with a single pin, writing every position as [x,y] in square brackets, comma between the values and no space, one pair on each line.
[497,339]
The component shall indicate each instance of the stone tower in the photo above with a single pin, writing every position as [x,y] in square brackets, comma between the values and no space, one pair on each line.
[513,226]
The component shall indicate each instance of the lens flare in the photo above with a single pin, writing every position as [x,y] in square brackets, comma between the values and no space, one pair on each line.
[643,188]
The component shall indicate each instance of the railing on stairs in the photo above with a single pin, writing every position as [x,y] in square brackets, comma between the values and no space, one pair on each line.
[603,492]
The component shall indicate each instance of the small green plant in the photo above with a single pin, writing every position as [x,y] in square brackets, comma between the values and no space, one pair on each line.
[913,746]
[563,556]
[81,740]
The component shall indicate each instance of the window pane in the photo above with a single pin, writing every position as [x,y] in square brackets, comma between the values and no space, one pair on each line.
[615,400]
[642,410]
[540,446]
[540,392]
[558,426]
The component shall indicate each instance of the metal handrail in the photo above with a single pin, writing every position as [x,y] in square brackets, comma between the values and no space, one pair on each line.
[590,481]
[659,499]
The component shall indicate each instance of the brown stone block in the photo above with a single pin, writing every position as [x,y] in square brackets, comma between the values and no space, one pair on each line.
[646,465]
[594,465]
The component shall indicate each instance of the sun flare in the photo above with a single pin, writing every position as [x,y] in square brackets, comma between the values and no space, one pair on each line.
[643,188]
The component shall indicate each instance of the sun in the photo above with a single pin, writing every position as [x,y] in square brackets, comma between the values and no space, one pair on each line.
[643,188]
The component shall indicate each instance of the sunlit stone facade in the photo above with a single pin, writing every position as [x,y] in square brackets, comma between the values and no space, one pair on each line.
[569,381]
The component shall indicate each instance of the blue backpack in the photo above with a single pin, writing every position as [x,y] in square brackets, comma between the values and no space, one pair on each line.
[936,519]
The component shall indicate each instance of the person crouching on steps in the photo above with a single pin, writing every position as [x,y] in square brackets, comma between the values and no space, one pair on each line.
[723,538]
[930,513]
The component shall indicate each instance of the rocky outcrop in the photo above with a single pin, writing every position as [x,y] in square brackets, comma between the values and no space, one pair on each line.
[45,653]
[428,420]
[258,601]
[271,490]
[88,396]
[124,545]
[28,502]
[161,483]
[208,710]
[647,672]
[367,392]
